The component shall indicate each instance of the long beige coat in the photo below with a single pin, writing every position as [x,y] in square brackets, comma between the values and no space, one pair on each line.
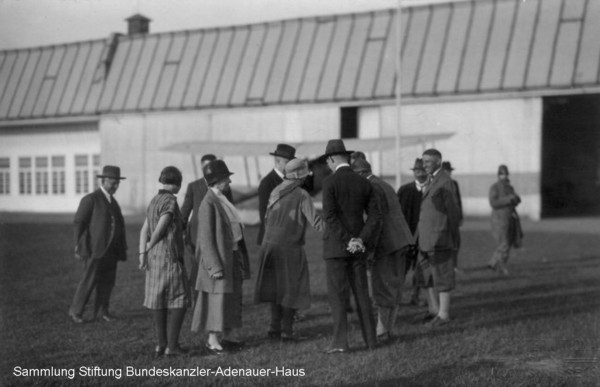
[214,247]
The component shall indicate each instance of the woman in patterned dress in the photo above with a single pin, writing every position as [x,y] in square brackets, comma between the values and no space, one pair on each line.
[161,256]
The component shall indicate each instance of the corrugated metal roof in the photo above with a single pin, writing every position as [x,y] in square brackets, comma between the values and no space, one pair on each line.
[464,48]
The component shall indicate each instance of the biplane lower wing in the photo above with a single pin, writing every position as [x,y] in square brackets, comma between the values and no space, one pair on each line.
[309,149]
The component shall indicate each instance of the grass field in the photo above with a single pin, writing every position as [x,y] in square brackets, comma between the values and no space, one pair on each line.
[537,327]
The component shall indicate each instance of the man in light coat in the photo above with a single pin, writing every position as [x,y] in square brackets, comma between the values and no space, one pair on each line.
[438,234]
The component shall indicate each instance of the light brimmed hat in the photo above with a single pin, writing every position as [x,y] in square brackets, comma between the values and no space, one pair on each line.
[361,165]
[335,147]
[111,172]
[284,150]
[215,171]
[296,169]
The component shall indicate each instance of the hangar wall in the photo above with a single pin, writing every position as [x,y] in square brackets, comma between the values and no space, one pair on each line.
[486,133]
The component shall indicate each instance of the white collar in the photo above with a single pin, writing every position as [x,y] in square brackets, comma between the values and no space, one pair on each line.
[342,165]
[106,194]
[280,174]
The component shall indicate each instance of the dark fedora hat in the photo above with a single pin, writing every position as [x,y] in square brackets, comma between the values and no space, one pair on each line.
[215,170]
[111,172]
[336,147]
[284,150]
[447,166]
[418,165]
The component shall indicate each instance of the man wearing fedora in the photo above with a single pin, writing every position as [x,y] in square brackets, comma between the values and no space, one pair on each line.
[410,195]
[281,156]
[347,197]
[100,242]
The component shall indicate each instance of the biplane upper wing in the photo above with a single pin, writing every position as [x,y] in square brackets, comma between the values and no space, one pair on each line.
[303,149]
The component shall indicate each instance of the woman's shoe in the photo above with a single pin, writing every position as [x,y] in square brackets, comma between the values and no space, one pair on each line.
[215,350]
[159,351]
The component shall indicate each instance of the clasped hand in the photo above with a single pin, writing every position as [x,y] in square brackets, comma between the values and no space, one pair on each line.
[355,246]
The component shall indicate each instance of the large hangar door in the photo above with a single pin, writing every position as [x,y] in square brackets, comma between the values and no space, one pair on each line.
[571,156]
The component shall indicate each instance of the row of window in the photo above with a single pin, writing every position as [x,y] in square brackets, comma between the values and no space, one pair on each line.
[46,175]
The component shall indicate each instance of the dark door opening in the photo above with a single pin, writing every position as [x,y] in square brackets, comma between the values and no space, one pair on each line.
[349,122]
[571,156]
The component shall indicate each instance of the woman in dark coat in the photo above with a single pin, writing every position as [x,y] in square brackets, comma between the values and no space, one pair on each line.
[223,263]
[283,273]
[506,226]
[161,255]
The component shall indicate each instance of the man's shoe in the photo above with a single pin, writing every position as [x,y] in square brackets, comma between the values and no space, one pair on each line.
[385,338]
[76,318]
[274,335]
[424,319]
[108,317]
[175,352]
[333,351]
[291,337]
[299,317]
[438,322]
[233,344]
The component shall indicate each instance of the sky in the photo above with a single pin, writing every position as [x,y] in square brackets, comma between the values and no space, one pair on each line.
[32,23]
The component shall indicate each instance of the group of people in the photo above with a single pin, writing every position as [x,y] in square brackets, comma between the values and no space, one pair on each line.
[371,236]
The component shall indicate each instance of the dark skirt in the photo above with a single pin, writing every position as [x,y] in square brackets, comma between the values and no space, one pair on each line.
[283,276]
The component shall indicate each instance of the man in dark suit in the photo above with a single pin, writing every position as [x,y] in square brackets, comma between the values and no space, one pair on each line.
[196,190]
[409,196]
[281,156]
[100,242]
[438,232]
[346,198]
[390,245]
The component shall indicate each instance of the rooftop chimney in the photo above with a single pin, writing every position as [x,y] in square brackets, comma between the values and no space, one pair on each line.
[138,24]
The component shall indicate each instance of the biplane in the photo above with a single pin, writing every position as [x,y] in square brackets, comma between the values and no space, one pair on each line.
[250,152]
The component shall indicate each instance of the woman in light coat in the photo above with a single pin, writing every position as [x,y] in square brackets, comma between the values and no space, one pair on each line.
[223,263]
[506,227]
